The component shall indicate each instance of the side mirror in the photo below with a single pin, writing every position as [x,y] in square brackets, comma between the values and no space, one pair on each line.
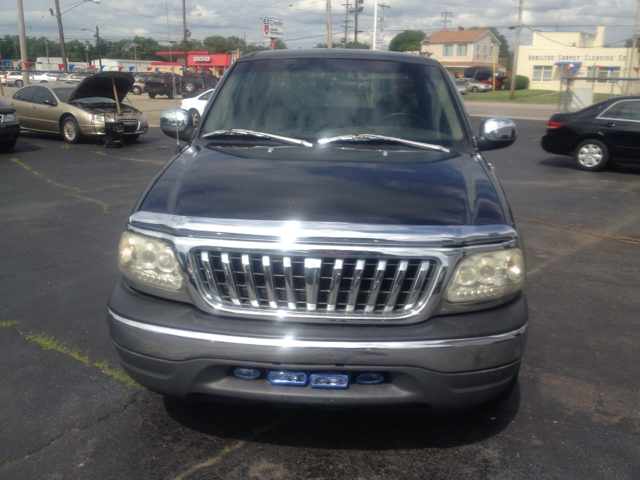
[496,133]
[176,122]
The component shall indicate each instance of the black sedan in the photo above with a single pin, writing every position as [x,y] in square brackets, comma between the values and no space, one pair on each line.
[9,127]
[608,130]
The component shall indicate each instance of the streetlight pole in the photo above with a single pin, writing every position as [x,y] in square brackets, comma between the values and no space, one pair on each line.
[184,31]
[329,36]
[23,43]
[96,33]
[86,51]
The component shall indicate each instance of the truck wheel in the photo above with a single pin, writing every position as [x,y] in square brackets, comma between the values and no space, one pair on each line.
[171,95]
[189,87]
[19,83]
[136,90]
[152,95]
[71,131]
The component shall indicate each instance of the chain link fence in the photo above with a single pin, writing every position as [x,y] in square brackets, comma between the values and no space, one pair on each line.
[580,92]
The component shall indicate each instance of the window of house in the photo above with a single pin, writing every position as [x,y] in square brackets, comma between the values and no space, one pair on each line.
[447,50]
[462,50]
[477,50]
[542,74]
[484,50]
[491,51]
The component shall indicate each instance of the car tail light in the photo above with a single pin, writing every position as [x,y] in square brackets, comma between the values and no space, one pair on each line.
[554,124]
[165,84]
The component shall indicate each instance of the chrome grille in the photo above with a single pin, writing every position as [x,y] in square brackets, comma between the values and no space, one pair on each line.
[324,286]
[130,124]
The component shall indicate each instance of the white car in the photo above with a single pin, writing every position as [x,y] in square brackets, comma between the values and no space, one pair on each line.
[195,105]
[11,79]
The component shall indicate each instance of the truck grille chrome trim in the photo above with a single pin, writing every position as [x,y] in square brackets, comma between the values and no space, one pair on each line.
[373,288]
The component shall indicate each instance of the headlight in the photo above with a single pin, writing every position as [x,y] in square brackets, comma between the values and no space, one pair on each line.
[149,261]
[488,275]
[100,117]
[9,118]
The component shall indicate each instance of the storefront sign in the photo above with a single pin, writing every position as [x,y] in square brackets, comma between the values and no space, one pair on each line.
[201,59]
[272,27]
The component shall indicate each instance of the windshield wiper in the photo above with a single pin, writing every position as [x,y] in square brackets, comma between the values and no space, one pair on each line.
[366,137]
[251,133]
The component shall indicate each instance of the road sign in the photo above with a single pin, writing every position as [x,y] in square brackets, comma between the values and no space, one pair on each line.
[272,27]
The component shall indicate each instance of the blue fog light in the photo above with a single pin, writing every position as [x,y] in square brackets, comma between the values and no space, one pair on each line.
[288,378]
[246,373]
[370,378]
[329,380]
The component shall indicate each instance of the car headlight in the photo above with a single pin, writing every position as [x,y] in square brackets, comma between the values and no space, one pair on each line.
[9,118]
[149,261]
[100,117]
[487,275]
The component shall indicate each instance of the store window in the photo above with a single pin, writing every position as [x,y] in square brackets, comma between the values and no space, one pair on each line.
[462,50]
[542,74]
[447,51]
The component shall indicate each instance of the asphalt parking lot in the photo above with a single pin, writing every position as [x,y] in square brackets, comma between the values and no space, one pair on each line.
[67,414]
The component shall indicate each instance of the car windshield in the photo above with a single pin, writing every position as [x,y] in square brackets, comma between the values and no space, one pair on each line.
[319,98]
[63,93]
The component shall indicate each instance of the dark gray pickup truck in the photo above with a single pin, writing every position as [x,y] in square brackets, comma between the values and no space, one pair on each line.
[329,235]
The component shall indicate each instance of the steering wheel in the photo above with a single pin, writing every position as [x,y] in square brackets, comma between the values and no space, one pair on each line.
[402,114]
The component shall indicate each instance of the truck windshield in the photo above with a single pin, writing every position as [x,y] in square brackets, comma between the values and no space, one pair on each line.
[318,98]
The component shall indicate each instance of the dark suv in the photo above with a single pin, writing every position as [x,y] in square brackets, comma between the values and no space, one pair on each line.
[196,83]
[163,84]
[325,239]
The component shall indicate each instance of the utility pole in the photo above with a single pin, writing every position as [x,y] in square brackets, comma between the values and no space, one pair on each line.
[23,43]
[444,16]
[514,68]
[98,45]
[184,29]
[63,51]
[634,44]
[383,18]
[346,24]
[46,47]
[329,36]
[374,39]
[355,24]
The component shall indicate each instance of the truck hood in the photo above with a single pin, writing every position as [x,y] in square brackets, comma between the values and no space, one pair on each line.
[101,85]
[327,185]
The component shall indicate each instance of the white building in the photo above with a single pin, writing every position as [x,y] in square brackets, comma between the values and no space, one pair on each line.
[553,55]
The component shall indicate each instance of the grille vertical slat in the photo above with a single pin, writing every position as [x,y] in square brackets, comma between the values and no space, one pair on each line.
[208,271]
[364,287]
[312,268]
[249,281]
[356,282]
[269,281]
[334,288]
[231,281]
[376,283]
[418,283]
[288,281]
[396,286]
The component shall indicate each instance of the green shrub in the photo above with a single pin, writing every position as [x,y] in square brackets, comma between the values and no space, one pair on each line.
[522,82]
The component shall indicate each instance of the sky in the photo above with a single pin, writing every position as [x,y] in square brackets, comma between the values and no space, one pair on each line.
[305,20]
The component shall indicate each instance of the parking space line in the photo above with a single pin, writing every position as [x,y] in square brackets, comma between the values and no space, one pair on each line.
[105,206]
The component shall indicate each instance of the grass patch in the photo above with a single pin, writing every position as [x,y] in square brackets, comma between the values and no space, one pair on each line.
[47,342]
[8,324]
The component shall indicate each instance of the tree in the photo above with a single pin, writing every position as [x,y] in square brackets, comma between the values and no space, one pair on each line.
[409,40]
[333,45]
[629,44]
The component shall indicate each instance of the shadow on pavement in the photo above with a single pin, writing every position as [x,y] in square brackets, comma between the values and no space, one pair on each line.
[346,429]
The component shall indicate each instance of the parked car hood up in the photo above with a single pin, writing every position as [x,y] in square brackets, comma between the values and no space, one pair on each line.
[102,85]
[313,184]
